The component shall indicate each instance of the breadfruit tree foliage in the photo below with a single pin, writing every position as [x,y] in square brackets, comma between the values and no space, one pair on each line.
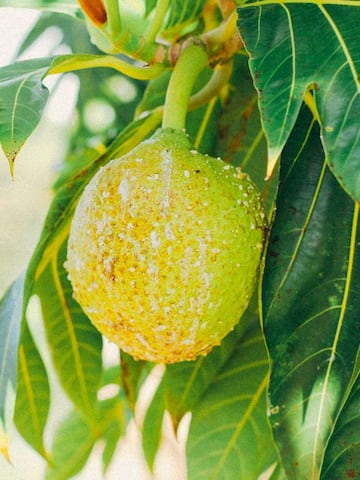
[279,97]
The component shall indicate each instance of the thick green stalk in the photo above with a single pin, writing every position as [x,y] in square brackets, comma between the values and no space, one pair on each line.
[152,30]
[217,82]
[113,17]
[193,59]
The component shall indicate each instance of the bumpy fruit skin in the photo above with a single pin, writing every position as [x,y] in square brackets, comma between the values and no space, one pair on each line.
[164,249]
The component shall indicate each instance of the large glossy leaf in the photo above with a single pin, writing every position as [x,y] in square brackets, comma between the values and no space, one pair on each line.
[23,95]
[75,438]
[226,392]
[73,442]
[186,382]
[182,386]
[32,393]
[311,294]
[22,100]
[294,46]
[241,139]
[342,459]
[229,436]
[10,321]
[74,342]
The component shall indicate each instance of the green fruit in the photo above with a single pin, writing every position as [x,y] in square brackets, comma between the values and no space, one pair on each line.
[164,249]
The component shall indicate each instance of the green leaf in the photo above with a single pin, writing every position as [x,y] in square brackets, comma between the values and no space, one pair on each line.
[32,393]
[183,385]
[229,436]
[241,139]
[76,436]
[184,14]
[10,321]
[186,382]
[187,385]
[73,442]
[154,94]
[22,100]
[133,372]
[74,342]
[65,6]
[288,55]
[311,298]
[149,6]
[342,459]
[113,417]
[277,473]
[73,30]
[152,424]
[23,95]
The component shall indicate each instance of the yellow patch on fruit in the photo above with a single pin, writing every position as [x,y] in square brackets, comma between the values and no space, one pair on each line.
[164,249]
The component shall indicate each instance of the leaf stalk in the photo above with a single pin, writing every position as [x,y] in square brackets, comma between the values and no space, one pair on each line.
[68,63]
[114,17]
[157,21]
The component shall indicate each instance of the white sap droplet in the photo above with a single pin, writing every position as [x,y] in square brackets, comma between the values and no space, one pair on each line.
[154,239]
[124,190]
[169,233]
[153,271]
[142,340]
[166,174]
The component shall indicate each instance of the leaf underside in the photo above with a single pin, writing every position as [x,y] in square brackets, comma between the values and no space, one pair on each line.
[10,320]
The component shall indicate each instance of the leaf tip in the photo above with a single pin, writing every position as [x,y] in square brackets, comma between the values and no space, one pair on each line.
[11,167]
[11,154]
[4,446]
[273,157]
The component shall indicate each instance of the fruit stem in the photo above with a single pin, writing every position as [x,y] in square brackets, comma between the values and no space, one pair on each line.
[155,25]
[193,59]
